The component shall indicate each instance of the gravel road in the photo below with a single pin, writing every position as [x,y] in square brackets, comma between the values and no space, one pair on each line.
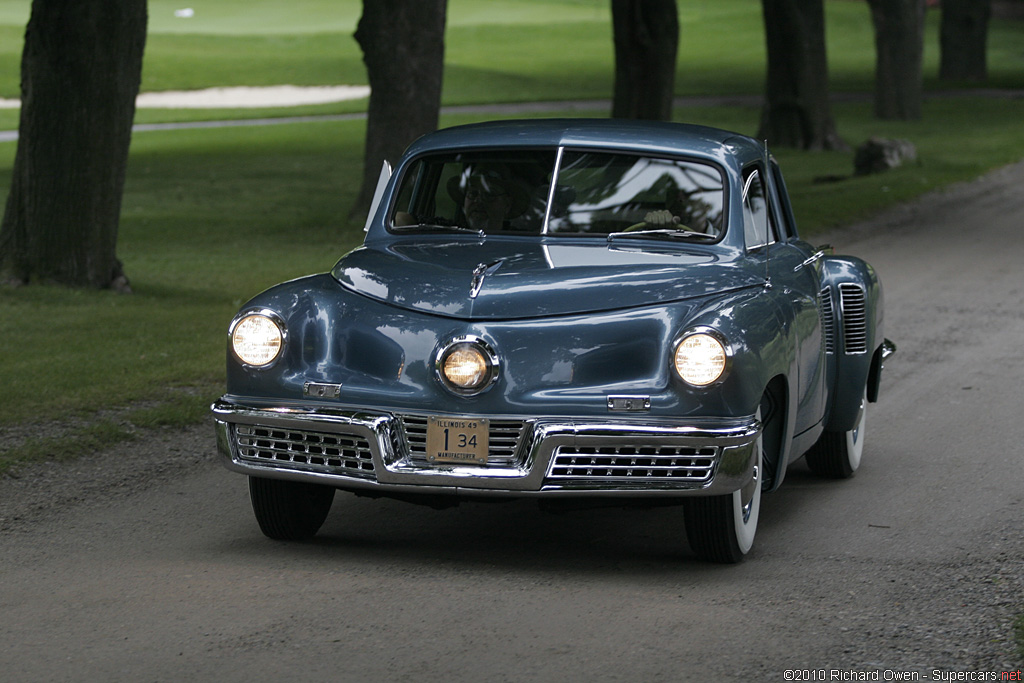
[144,562]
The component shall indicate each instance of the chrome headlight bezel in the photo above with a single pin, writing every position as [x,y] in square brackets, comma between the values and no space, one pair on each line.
[490,364]
[722,344]
[264,314]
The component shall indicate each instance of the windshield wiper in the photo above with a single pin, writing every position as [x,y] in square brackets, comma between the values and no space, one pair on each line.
[437,227]
[661,232]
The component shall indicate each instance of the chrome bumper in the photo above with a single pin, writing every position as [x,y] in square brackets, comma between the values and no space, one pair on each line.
[557,456]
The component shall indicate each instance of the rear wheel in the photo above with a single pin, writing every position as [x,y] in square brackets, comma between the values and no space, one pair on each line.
[289,510]
[837,454]
[722,528]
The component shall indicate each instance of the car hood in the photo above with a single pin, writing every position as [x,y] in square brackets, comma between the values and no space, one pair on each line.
[495,280]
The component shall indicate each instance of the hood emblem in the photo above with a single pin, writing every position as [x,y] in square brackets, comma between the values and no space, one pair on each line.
[479,273]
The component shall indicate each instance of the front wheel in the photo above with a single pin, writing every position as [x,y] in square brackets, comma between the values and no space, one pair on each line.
[837,454]
[289,510]
[722,528]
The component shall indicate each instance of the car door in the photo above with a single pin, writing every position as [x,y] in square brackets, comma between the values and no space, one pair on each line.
[770,238]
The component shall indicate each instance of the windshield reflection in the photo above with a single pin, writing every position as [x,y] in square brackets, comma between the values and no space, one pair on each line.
[594,194]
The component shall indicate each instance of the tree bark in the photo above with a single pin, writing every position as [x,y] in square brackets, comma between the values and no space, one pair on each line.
[797,112]
[646,36]
[963,40]
[403,49]
[80,73]
[899,50]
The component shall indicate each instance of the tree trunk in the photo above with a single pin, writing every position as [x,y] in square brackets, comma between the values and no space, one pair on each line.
[646,43]
[796,111]
[80,73]
[403,48]
[899,50]
[963,40]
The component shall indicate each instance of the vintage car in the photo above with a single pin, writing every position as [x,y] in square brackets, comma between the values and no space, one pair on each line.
[592,311]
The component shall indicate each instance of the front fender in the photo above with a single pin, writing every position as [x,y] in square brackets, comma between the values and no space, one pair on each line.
[762,345]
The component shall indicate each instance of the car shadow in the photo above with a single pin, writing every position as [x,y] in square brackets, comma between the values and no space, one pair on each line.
[514,535]
[521,534]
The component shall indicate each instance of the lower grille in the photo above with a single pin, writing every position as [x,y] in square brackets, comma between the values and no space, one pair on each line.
[503,439]
[316,451]
[664,463]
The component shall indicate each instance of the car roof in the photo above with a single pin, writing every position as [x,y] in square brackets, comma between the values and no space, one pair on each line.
[657,137]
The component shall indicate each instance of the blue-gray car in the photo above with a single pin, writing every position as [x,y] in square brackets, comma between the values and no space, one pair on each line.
[576,311]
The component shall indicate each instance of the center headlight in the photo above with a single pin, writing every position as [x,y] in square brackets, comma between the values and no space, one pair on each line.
[467,365]
[256,339]
[700,359]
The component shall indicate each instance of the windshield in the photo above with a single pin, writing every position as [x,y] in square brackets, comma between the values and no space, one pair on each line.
[594,194]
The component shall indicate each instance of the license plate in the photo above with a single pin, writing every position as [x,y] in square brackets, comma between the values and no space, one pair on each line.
[457,440]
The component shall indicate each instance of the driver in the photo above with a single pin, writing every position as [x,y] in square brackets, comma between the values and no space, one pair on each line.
[488,196]
[683,210]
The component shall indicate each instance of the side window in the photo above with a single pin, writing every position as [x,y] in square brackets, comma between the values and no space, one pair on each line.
[758,226]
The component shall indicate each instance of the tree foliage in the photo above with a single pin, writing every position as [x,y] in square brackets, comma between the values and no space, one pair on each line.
[80,73]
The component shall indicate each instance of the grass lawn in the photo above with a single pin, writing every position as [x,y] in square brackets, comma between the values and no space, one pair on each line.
[213,216]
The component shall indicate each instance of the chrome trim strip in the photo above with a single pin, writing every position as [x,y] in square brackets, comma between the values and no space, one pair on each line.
[816,256]
[551,190]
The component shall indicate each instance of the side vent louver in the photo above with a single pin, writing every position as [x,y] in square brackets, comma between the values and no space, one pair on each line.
[855,320]
[828,320]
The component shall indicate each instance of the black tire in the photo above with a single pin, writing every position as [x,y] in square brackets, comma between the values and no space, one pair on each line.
[837,455]
[722,528]
[289,510]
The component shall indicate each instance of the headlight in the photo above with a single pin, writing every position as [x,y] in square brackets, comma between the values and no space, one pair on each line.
[700,359]
[467,365]
[256,339]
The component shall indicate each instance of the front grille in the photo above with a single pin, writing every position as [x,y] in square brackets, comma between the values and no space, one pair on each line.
[503,439]
[312,451]
[828,325]
[855,318]
[657,463]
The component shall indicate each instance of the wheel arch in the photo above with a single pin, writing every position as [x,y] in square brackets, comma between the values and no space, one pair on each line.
[778,421]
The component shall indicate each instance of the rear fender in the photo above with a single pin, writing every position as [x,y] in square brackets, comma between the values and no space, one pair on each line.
[852,314]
